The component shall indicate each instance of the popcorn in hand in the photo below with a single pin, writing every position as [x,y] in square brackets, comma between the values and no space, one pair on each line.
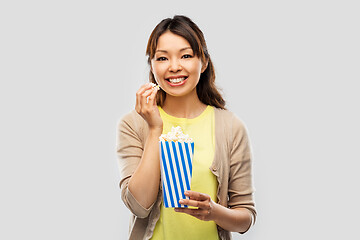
[175,135]
[153,85]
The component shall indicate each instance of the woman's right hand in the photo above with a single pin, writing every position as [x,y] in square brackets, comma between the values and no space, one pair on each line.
[147,108]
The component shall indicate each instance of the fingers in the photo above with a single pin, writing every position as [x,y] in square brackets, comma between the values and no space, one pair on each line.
[194,203]
[199,200]
[152,99]
[203,203]
[138,96]
[144,96]
[193,212]
[197,196]
[201,214]
[145,91]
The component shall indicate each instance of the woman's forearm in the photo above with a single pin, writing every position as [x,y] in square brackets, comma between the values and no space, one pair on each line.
[144,183]
[234,220]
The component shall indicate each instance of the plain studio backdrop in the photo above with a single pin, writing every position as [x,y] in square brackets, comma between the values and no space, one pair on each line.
[69,71]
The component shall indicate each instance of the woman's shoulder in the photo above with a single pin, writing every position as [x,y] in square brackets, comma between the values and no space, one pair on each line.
[222,112]
[131,119]
[229,122]
[227,116]
[131,116]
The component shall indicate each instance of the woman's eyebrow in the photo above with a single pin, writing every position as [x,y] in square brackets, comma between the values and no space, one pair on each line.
[159,50]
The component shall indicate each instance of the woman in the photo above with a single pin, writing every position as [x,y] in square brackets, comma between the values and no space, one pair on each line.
[221,193]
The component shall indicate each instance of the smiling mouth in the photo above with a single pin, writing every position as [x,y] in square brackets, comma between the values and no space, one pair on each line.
[176,80]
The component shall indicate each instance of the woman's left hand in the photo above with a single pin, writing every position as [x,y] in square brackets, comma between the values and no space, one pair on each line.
[205,206]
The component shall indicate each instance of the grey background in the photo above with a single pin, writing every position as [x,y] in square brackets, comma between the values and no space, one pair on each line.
[70,69]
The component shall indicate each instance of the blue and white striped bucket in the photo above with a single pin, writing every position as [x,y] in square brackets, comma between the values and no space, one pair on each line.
[176,171]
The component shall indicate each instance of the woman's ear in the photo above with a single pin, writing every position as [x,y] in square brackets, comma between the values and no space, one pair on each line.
[204,66]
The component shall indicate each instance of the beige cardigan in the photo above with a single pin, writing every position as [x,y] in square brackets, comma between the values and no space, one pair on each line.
[231,165]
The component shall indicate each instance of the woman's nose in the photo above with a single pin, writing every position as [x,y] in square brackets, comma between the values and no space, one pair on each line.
[175,66]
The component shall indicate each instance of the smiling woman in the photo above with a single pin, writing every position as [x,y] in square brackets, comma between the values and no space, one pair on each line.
[175,64]
[221,196]
[190,45]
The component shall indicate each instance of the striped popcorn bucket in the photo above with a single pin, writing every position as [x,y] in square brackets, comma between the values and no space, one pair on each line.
[176,171]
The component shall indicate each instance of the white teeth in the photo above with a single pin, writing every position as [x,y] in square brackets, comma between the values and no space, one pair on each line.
[176,80]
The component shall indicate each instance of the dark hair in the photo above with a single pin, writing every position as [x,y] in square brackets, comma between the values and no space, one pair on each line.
[186,28]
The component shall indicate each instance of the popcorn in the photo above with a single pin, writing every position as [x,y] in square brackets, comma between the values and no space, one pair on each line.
[153,85]
[176,158]
[176,135]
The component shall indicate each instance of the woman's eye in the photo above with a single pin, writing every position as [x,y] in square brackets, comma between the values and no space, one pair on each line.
[187,56]
[161,59]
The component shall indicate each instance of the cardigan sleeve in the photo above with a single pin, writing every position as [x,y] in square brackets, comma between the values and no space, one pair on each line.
[240,179]
[129,147]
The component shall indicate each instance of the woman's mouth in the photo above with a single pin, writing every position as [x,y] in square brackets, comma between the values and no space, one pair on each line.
[176,81]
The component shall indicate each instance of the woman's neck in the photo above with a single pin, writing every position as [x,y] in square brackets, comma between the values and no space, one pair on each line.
[184,106]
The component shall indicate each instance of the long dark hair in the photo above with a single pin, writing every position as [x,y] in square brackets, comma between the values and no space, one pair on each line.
[186,28]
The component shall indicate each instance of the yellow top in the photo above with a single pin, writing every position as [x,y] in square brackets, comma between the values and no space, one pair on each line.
[173,225]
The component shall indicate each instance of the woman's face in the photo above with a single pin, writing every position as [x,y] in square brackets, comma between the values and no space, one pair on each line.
[175,67]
